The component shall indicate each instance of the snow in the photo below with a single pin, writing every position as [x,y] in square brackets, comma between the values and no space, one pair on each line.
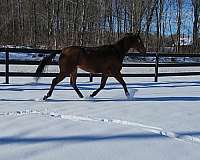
[160,122]
[130,59]
[21,56]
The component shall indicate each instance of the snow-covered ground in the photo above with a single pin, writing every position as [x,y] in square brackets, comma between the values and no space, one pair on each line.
[160,123]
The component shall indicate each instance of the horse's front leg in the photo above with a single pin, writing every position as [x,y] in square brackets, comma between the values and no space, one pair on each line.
[119,78]
[103,83]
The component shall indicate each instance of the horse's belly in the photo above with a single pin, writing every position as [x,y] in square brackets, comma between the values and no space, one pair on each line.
[91,69]
[100,66]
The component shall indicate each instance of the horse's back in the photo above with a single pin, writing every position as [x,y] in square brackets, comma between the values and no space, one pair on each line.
[101,59]
[71,50]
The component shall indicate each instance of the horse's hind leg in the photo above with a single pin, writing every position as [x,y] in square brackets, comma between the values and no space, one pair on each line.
[73,77]
[55,81]
[103,83]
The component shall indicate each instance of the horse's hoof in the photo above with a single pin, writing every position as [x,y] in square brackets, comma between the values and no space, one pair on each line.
[80,96]
[127,94]
[44,98]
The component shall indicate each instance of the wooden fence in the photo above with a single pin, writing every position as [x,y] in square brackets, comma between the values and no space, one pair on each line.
[155,64]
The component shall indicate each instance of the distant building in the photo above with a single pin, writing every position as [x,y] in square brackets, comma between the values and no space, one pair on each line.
[185,41]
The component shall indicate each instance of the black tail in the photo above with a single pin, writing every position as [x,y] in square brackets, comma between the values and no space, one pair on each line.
[45,61]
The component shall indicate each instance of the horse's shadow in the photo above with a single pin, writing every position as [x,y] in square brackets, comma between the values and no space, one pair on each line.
[135,99]
[93,86]
[110,86]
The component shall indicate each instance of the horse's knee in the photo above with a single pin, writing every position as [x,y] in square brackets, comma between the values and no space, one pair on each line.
[54,81]
[73,85]
[101,87]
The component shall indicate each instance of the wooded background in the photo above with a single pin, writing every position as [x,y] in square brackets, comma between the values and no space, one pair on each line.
[54,24]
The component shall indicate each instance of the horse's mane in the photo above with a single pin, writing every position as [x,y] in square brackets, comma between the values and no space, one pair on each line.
[120,44]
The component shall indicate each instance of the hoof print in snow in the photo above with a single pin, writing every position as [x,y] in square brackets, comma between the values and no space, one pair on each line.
[131,95]
[89,98]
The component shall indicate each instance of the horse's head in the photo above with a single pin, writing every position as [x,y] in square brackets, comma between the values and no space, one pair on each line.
[134,41]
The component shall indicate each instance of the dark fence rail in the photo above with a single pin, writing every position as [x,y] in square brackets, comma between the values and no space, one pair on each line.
[155,64]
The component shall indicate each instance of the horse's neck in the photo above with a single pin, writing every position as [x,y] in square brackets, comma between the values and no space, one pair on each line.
[122,46]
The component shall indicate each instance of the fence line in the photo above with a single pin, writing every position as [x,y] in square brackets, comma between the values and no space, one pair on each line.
[155,65]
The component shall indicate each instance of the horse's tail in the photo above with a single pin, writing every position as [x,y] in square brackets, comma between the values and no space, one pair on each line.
[45,61]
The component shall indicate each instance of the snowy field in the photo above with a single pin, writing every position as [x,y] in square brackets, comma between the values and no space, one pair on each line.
[161,122]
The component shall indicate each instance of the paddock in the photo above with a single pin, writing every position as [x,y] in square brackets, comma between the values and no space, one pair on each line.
[160,122]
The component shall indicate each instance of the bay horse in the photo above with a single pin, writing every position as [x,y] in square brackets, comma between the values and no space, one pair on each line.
[106,59]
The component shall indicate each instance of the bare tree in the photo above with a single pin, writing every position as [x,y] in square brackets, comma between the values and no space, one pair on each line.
[59,23]
[196,23]
[179,15]
[149,17]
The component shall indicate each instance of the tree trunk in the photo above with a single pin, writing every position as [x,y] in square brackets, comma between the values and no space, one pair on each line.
[83,25]
[149,20]
[196,6]
[179,14]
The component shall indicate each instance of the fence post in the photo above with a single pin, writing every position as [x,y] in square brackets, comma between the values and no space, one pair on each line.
[156,68]
[7,67]
[91,77]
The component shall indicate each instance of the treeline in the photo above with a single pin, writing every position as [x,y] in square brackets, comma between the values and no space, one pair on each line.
[58,23]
